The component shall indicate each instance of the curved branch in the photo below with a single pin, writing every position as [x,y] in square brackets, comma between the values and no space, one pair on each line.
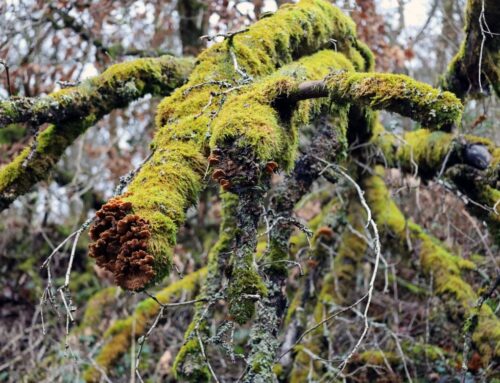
[114,88]
[75,110]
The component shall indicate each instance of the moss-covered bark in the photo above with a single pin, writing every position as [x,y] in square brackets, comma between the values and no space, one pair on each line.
[189,363]
[476,66]
[114,88]
[484,198]
[71,111]
[435,259]
[328,143]
[471,163]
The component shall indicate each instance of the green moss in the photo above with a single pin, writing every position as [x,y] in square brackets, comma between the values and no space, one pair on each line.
[387,214]
[12,133]
[418,352]
[78,108]
[428,149]
[422,351]
[170,182]
[368,55]
[378,357]
[194,367]
[189,363]
[16,179]
[254,119]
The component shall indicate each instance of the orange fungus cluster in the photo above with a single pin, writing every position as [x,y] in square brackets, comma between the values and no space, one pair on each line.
[120,245]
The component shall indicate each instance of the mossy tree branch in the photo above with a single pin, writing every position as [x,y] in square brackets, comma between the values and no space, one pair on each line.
[74,110]
[429,153]
[189,363]
[114,88]
[394,93]
[471,163]
[483,197]
[329,142]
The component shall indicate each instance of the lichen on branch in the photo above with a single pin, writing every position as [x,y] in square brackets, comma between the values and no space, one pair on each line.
[189,363]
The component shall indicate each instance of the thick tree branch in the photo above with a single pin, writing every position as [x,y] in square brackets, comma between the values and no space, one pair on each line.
[208,112]
[330,143]
[189,363]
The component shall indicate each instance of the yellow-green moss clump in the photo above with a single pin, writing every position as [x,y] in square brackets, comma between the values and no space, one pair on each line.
[418,352]
[74,110]
[96,306]
[435,259]
[272,130]
[118,336]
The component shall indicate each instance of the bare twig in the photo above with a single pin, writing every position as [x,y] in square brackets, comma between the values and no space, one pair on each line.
[317,325]
[225,35]
[6,66]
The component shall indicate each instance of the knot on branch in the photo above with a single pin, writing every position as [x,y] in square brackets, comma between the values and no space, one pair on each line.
[121,245]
